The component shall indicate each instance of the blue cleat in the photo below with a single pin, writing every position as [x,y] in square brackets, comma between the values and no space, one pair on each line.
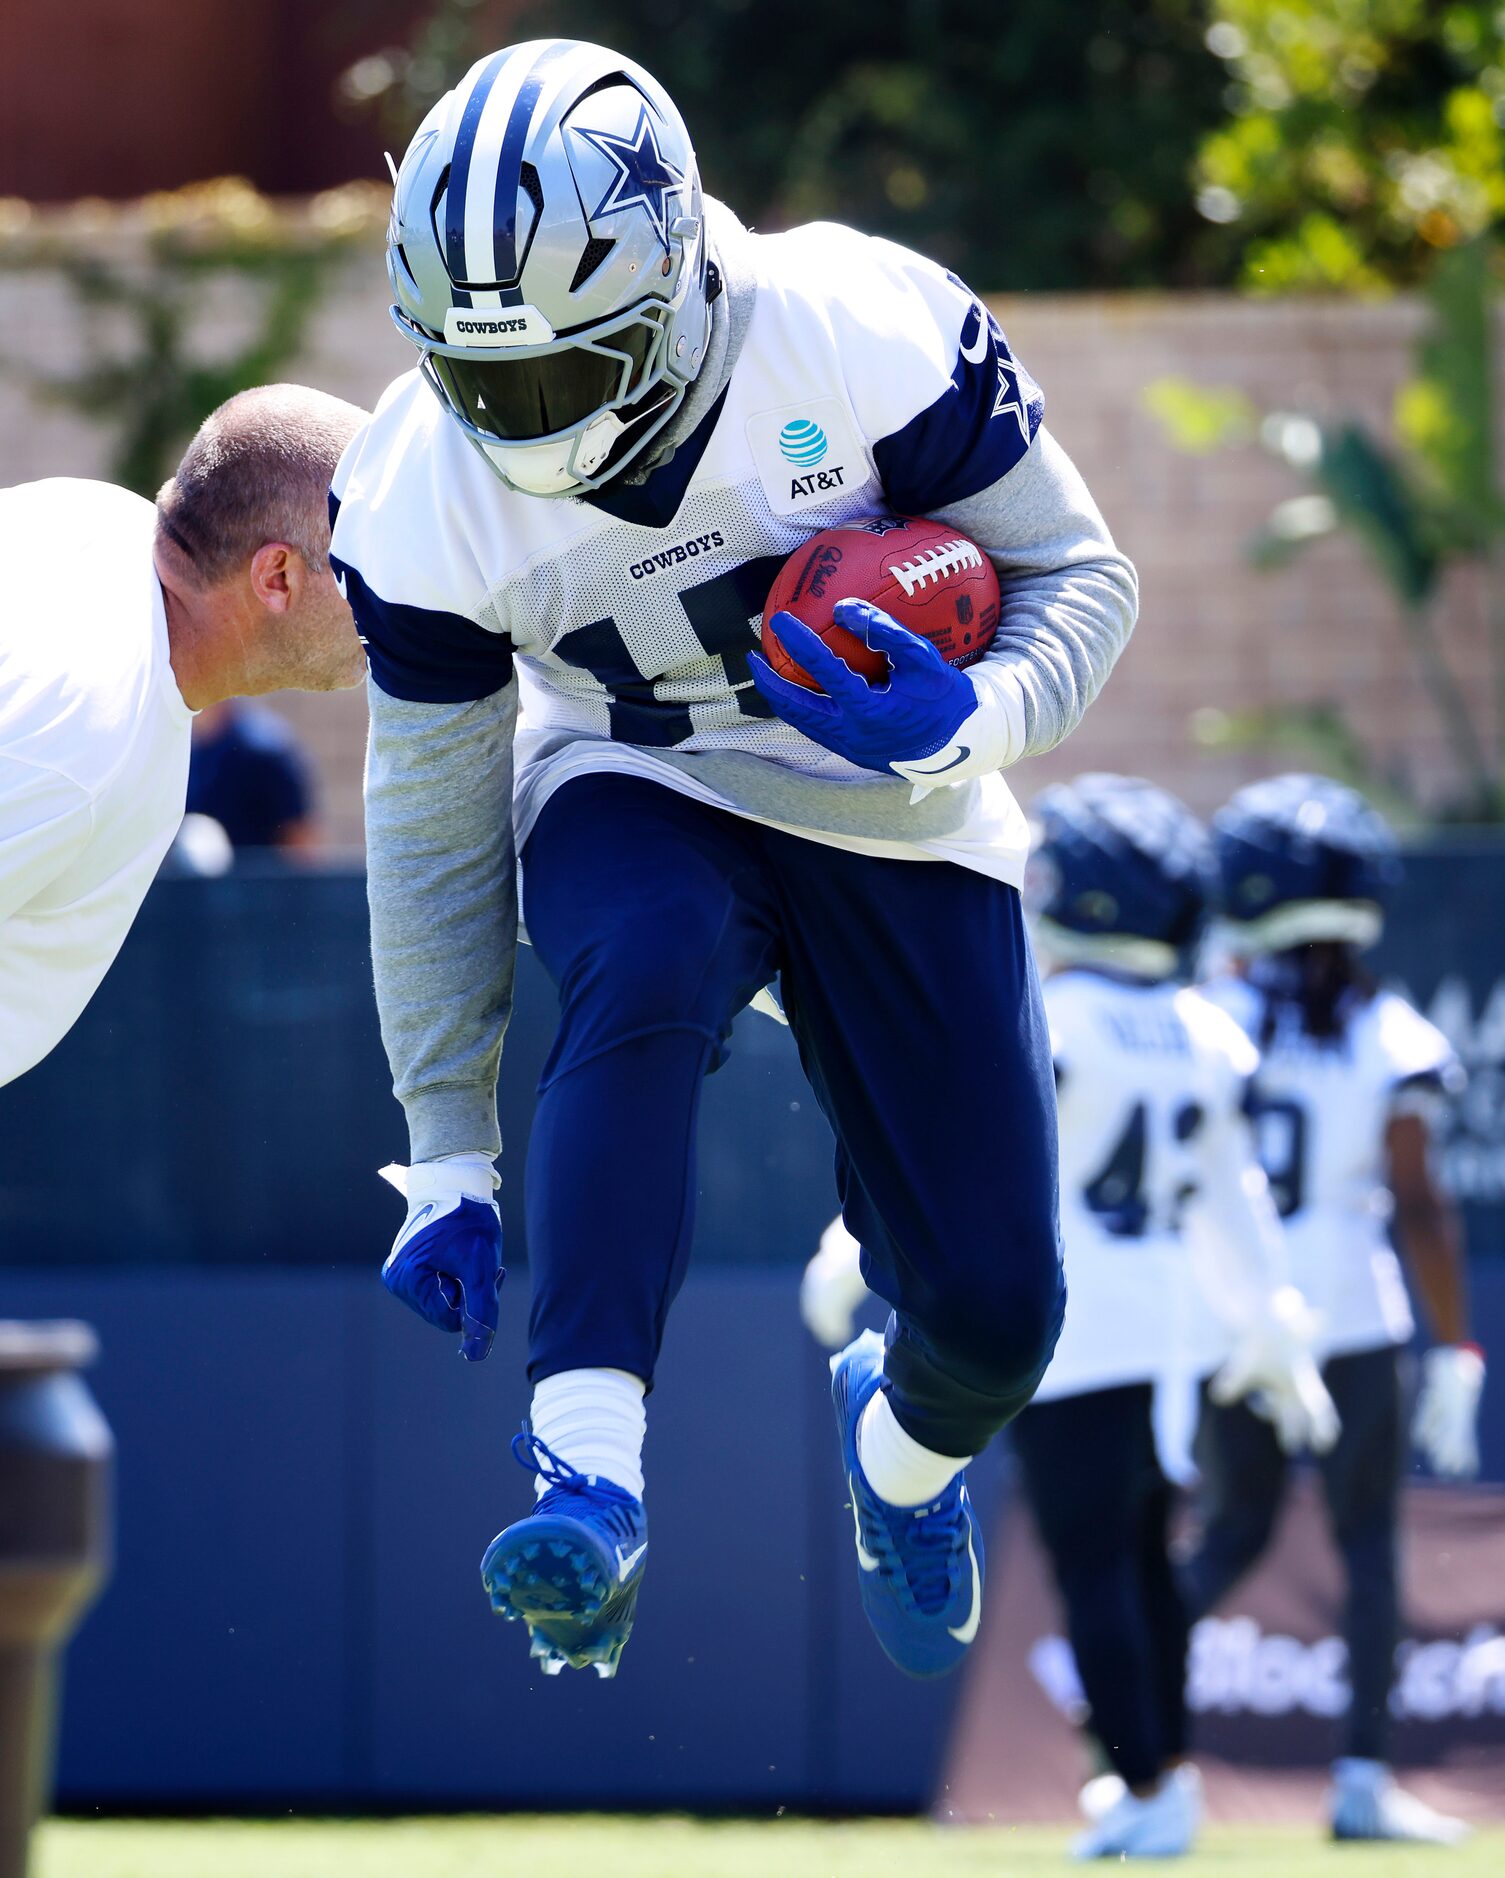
[572,1569]
[920,1567]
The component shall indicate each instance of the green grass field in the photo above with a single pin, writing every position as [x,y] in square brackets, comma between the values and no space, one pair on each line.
[682,1848]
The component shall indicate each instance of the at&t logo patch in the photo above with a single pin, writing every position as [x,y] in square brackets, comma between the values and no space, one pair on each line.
[808,457]
[803,442]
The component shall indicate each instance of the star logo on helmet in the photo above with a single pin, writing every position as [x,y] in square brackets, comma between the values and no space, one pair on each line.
[645,178]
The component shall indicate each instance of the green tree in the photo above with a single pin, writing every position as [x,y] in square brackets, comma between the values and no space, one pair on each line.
[1042,147]
[1363,151]
[1363,137]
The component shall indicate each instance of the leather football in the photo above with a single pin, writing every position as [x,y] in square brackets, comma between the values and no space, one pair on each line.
[928,577]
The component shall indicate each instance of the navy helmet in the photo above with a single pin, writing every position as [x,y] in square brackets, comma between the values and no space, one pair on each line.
[1302,858]
[1119,874]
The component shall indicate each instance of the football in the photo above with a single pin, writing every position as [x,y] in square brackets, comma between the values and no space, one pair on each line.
[928,577]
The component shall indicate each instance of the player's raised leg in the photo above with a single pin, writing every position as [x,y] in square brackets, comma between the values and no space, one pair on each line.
[936,1074]
[646,909]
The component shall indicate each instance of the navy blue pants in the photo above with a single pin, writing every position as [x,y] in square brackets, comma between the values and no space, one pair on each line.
[1244,1476]
[1103,1508]
[913,1000]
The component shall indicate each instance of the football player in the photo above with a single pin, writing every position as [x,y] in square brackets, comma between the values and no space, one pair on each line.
[1156,1158]
[122,621]
[1351,1088]
[557,535]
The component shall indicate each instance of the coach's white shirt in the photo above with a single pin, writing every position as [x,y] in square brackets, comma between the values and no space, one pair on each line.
[94,739]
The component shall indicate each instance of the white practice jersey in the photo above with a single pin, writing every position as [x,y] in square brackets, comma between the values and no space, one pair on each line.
[844,378]
[1320,1112]
[94,738]
[869,380]
[1150,1081]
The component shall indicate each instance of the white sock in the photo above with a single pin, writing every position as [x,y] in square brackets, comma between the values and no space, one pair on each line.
[898,1469]
[594,1419]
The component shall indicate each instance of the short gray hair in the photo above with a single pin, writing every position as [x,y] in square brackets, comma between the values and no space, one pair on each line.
[258,470]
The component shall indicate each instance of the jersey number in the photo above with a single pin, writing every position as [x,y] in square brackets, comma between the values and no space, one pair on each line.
[1280,1136]
[721,612]
[1116,1192]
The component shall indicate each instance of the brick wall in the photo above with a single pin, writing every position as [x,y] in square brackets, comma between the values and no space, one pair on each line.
[1213,633]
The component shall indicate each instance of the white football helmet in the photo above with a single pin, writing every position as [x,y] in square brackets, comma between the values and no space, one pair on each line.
[547,253]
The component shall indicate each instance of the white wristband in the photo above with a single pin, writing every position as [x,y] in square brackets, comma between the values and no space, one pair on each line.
[989,738]
[471,1176]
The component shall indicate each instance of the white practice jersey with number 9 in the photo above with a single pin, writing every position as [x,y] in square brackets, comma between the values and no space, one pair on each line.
[1320,1108]
[1149,1079]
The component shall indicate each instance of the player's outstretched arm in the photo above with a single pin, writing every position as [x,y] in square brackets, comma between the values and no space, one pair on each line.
[1238,1254]
[1430,1236]
[441,877]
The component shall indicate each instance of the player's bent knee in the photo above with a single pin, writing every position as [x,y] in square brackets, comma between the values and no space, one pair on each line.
[1000,1332]
[960,1374]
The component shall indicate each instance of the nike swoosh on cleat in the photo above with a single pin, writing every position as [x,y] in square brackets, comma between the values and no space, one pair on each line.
[625,1565]
[864,1558]
[964,1633]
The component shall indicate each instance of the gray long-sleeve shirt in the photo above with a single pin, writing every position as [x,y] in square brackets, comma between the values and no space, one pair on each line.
[455,577]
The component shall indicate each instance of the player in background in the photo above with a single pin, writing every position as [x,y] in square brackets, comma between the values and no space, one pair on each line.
[1158,1171]
[1351,1089]
[248,772]
[626,412]
[122,621]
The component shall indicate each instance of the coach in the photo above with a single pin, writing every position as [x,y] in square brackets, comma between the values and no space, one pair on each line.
[123,620]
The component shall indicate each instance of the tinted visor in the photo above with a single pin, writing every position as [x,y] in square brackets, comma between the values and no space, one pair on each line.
[518,399]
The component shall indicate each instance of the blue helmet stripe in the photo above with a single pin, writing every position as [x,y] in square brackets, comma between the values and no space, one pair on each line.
[509,166]
[459,174]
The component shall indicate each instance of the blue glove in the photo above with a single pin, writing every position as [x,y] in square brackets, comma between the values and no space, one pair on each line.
[446,1263]
[917,713]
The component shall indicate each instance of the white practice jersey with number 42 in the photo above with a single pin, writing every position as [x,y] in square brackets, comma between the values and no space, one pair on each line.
[1144,1074]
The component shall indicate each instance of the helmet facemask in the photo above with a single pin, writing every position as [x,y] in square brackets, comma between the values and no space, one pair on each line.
[554,421]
